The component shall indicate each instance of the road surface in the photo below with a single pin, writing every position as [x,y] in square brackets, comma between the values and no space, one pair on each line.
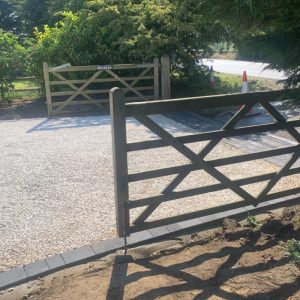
[237,67]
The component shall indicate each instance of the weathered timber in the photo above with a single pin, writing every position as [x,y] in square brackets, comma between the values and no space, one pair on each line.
[137,146]
[78,91]
[47,88]
[215,163]
[165,78]
[194,103]
[205,189]
[105,67]
[118,127]
[204,152]
[100,80]
[156,79]
[79,87]
[294,197]
[194,157]
[103,91]
[140,111]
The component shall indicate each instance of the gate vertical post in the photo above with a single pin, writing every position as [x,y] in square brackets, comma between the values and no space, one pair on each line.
[156,79]
[165,77]
[47,88]
[119,145]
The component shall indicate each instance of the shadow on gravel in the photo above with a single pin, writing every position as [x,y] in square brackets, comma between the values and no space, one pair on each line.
[31,109]
[24,110]
[70,122]
[75,121]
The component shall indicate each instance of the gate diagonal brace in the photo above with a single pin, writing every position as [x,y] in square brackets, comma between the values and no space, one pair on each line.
[294,134]
[75,88]
[193,157]
[281,119]
[144,72]
[126,84]
[79,91]
[281,173]
[204,152]
[212,144]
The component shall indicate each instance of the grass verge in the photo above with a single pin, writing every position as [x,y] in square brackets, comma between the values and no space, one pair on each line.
[20,92]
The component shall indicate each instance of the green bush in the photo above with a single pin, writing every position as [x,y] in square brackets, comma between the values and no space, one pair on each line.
[12,59]
[191,82]
[108,32]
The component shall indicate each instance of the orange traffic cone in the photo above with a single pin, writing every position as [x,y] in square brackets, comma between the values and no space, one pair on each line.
[212,78]
[245,86]
[245,89]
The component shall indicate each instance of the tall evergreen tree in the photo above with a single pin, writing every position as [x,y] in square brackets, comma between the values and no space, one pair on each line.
[8,17]
[37,13]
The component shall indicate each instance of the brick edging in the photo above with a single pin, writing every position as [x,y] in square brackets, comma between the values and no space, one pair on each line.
[88,253]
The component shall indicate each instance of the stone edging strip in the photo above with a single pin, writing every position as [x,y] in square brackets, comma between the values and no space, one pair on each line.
[84,254]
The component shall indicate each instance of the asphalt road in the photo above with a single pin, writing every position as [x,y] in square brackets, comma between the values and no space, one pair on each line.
[237,67]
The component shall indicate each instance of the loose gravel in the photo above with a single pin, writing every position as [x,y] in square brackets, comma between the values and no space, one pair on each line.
[56,183]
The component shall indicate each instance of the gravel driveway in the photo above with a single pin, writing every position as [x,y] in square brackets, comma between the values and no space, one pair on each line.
[57,184]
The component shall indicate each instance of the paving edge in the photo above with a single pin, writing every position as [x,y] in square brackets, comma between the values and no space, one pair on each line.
[49,265]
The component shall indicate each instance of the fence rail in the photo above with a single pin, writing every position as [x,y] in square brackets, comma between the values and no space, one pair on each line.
[25,77]
[120,110]
[38,89]
[29,89]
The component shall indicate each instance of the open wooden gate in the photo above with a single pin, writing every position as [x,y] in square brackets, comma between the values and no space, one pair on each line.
[68,85]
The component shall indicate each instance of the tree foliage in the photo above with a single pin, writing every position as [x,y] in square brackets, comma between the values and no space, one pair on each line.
[267,31]
[114,31]
[8,18]
[12,58]
[37,13]
[128,31]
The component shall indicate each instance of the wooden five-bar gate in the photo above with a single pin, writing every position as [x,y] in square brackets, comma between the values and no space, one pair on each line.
[120,110]
[68,85]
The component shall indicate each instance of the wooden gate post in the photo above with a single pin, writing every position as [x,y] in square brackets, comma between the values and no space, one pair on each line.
[47,88]
[118,126]
[165,77]
[156,79]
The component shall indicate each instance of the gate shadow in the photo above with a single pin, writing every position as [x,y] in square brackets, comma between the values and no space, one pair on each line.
[205,288]
[52,124]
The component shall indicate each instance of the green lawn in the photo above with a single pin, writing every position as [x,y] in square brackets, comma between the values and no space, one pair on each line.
[227,83]
[25,84]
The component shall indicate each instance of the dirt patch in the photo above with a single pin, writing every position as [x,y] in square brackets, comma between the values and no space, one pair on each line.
[37,108]
[207,265]
[24,109]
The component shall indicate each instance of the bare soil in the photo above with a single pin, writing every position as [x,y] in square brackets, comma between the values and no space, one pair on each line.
[23,109]
[37,108]
[233,262]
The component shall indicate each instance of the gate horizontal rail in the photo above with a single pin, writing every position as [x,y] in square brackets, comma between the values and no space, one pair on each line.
[218,134]
[69,68]
[198,161]
[195,103]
